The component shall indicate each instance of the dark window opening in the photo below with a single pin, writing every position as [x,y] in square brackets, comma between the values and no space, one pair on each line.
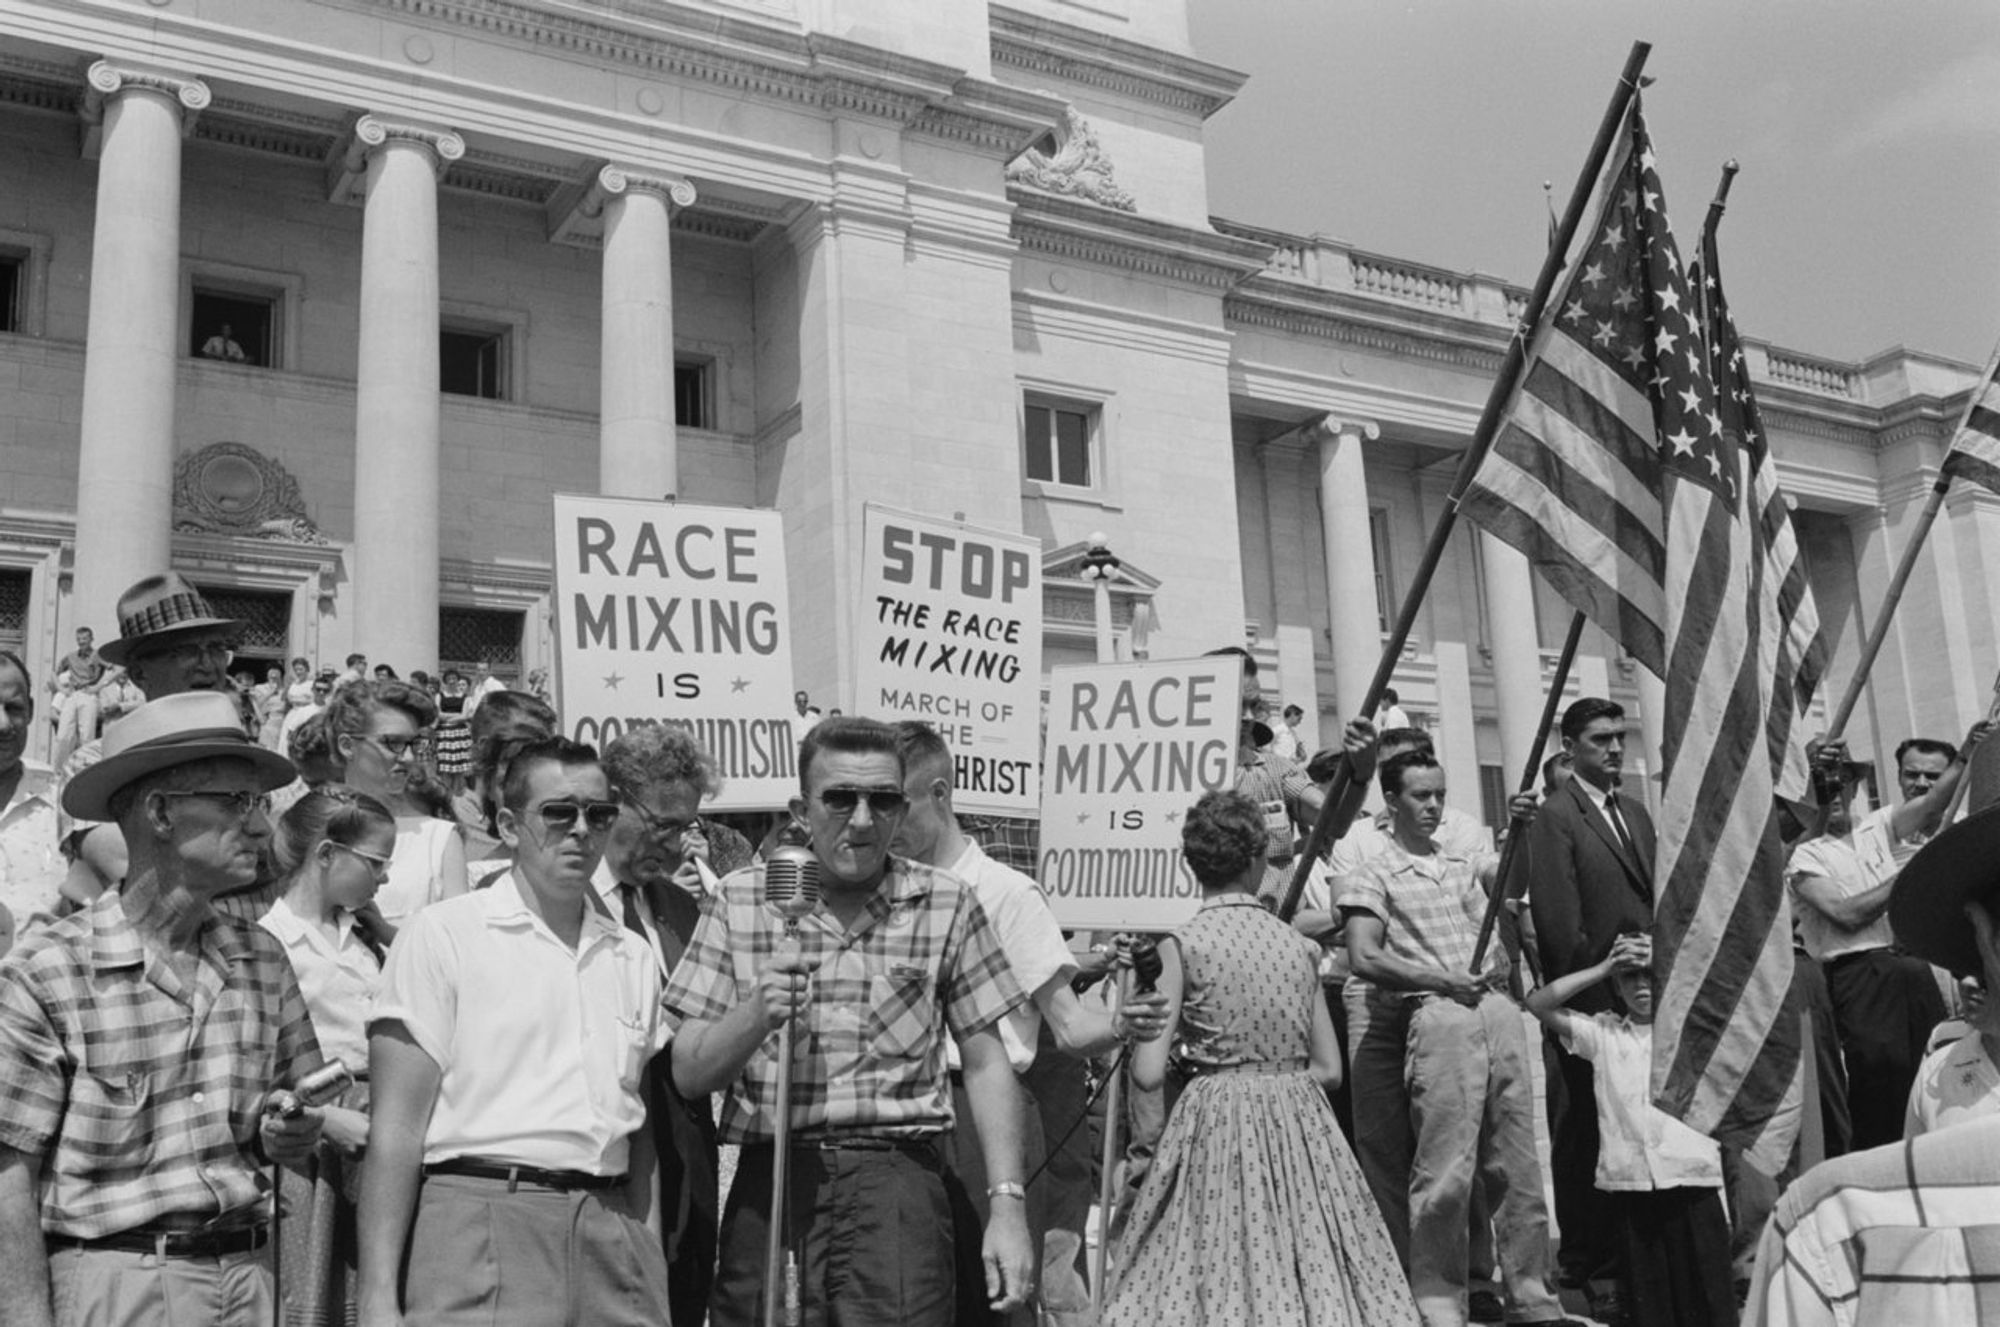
[470,363]
[468,637]
[233,327]
[16,588]
[691,406]
[1058,445]
[13,280]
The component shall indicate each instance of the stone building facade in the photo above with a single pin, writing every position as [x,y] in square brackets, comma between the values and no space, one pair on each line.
[954,257]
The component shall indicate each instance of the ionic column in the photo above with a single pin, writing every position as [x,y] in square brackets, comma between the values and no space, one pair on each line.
[1517,654]
[637,450]
[396,425]
[1350,559]
[124,509]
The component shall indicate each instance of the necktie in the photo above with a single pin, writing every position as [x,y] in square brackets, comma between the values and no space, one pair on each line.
[1625,837]
[628,900]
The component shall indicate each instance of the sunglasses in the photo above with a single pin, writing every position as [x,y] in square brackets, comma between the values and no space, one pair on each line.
[881,801]
[561,817]
[242,803]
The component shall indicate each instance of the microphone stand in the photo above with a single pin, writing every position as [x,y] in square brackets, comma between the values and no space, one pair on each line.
[781,1271]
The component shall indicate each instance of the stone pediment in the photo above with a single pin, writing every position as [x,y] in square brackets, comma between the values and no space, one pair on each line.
[1066,564]
[231,489]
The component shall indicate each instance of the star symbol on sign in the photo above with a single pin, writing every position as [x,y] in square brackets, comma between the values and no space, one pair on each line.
[1083,817]
[611,682]
[1173,816]
[1682,442]
[1593,275]
[738,684]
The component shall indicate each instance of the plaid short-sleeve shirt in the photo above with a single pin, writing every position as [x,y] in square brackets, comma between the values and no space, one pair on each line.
[1430,907]
[140,1095]
[922,961]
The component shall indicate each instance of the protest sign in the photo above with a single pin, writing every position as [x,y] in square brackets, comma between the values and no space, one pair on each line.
[951,633]
[671,613]
[1130,748]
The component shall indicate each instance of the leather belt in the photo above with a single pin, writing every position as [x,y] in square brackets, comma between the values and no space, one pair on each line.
[172,1243]
[923,1147]
[514,1176]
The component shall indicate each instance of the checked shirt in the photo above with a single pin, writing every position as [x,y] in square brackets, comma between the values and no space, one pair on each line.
[139,1095]
[870,1045]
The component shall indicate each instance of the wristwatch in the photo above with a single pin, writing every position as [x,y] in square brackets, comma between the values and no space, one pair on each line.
[1006,1189]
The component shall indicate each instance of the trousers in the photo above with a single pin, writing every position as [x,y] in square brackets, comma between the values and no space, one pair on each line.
[120,1288]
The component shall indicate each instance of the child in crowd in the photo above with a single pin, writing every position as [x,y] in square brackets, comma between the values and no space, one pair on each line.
[1664,1179]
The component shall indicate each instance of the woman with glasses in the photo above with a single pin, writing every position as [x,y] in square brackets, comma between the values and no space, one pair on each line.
[379,736]
[333,847]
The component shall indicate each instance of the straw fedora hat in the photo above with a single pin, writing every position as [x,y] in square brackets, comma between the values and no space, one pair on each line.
[1927,905]
[173,730]
[159,610]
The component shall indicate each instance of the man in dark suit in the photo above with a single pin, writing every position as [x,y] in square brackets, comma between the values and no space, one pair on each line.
[1591,854]
[659,859]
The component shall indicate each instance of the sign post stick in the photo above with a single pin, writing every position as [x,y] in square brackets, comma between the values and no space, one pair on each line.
[1334,816]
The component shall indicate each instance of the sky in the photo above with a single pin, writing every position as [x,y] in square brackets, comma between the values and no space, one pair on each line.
[1866,215]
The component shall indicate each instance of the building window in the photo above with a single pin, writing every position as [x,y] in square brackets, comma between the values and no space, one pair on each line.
[16,587]
[1059,442]
[13,289]
[473,362]
[692,408]
[468,637]
[1493,796]
[1378,538]
[266,616]
[234,326]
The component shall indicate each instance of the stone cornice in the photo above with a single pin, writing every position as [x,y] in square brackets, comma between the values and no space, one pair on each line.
[1050,49]
[1476,347]
[107,79]
[1080,232]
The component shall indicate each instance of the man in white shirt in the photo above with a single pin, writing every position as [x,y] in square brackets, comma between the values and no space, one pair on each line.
[1885,1002]
[31,861]
[1041,963]
[507,1151]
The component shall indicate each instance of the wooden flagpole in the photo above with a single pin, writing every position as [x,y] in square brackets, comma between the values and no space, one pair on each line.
[1509,851]
[1897,582]
[1337,811]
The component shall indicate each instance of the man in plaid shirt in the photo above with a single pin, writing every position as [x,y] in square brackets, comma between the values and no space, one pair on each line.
[138,1041]
[894,956]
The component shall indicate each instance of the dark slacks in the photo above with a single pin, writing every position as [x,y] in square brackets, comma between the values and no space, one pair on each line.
[1674,1257]
[970,1205]
[1589,1248]
[871,1232]
[690,1200]
[1884,1007]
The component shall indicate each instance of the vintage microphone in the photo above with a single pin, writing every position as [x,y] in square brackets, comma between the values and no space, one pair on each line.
[791,888]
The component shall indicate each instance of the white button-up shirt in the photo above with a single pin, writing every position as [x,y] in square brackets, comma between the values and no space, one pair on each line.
[338,978]
[31,861]
[1639,1145]
[1029,937]
[541,1046]
[1957,1082]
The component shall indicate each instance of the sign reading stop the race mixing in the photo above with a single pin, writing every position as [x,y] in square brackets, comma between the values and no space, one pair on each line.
[951,633]
[1130,748]
[670,613]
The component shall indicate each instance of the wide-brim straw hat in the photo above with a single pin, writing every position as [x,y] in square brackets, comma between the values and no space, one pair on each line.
[159,611]
[163,733]
[1959,866]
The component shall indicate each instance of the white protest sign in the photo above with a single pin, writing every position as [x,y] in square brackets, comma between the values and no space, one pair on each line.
[1130,748]
[951,633]
[671,613]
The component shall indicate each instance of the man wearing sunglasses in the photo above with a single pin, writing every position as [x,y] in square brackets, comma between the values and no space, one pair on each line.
[508,1167]
[895,957]
[139,1038]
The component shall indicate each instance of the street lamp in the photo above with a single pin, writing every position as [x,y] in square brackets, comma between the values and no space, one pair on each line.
[1100,564]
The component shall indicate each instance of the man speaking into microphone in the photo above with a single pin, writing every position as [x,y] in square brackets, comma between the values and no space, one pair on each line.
[894,957]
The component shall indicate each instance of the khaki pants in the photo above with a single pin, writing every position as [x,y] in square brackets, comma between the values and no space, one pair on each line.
[116,1288]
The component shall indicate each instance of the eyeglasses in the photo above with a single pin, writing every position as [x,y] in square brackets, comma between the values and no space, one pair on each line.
[561,817]
[400,748]
[193,652]
[374,859]
[242,803]
[658,825]
[881,801]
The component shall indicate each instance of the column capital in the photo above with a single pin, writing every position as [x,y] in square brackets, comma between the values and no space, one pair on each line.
[105,81]
[347,170]
[576,211]
[1332,428]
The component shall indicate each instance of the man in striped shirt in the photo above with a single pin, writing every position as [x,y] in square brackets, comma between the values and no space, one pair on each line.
[139,1039]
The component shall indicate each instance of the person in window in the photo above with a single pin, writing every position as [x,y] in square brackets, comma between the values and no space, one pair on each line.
[224,345]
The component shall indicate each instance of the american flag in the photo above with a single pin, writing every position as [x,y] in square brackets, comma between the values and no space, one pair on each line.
[1615,474]
[1975,452]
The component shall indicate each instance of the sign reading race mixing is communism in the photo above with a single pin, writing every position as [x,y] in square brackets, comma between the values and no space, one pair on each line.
[1130,748]
[951,634]
[672,613]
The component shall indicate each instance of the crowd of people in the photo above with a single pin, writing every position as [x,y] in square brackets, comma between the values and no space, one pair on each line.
[352,997]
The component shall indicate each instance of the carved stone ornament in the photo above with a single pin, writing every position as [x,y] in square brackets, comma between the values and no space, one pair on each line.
[228,488]
[1076,165]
